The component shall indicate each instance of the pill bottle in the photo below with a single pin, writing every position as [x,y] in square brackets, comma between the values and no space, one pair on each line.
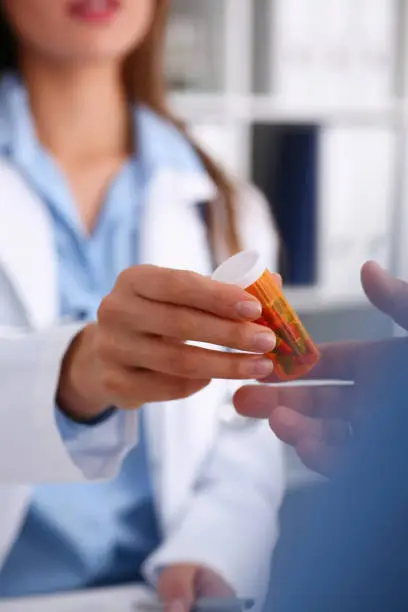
[295,353]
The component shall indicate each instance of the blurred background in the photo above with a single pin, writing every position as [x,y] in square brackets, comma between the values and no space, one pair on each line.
[309,100]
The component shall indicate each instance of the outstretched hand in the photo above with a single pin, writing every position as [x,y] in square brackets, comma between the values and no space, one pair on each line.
[318,421]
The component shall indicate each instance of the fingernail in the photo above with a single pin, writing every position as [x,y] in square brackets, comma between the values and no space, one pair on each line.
[259,368]
[250,310]
[264,342]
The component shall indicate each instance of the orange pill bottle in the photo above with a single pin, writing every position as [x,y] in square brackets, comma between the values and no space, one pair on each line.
[295,353]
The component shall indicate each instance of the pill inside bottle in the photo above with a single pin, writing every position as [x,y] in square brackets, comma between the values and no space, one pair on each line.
[295,353]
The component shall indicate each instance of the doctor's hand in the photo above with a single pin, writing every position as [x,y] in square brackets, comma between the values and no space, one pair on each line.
[320,422]
[179,586]
[137,351]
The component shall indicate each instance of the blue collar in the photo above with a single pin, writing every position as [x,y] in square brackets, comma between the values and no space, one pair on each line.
[161,145]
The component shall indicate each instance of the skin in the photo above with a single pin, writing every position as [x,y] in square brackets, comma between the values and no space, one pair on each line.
[316,421]
[180,585]
[135,352]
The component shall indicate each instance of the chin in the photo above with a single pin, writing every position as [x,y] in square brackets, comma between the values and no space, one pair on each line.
[96,51]
[111,42]
[82,45]
[99,54]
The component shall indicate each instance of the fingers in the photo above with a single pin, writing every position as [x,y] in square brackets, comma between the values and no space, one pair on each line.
[144,326]
[179,586]
[321,444]
[130,389]
[141,315]
[210,584]
[183,360]
[190,289]
[256,402]
[338,361]
[292,427]
[176,588]
[260,401]
[320,457]
[388,294]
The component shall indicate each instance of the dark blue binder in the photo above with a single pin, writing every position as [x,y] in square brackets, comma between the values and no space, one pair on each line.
[285,168]
[296,202]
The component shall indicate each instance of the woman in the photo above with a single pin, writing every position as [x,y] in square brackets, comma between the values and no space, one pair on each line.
[100,219]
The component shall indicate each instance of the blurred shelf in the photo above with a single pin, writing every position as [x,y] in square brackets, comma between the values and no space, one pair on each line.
[314,299]
[270,109]
[218,107]
[201,107]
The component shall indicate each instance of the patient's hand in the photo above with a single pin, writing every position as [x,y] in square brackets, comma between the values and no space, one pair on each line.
[318,421]
[180,585]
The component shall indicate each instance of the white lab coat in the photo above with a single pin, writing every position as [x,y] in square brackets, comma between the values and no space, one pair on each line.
[218,481]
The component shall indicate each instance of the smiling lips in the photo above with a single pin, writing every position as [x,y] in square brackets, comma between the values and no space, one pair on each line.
[94,11]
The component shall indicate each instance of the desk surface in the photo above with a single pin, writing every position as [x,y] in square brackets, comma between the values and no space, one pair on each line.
[102,600]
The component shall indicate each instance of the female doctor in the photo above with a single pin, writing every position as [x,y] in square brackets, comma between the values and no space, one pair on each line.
[105,204]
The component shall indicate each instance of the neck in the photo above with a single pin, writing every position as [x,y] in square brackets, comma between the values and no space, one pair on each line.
[79,111]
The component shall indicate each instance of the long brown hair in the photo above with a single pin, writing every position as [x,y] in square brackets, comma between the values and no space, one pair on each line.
[145,82]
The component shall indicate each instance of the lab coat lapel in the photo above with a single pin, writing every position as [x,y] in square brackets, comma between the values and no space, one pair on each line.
[174,236]
[26,248]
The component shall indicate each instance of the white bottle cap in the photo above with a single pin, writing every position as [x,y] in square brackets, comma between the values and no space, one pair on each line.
[242,269]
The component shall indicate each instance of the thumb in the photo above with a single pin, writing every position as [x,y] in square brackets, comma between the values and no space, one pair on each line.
[388,294]
[176,588]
